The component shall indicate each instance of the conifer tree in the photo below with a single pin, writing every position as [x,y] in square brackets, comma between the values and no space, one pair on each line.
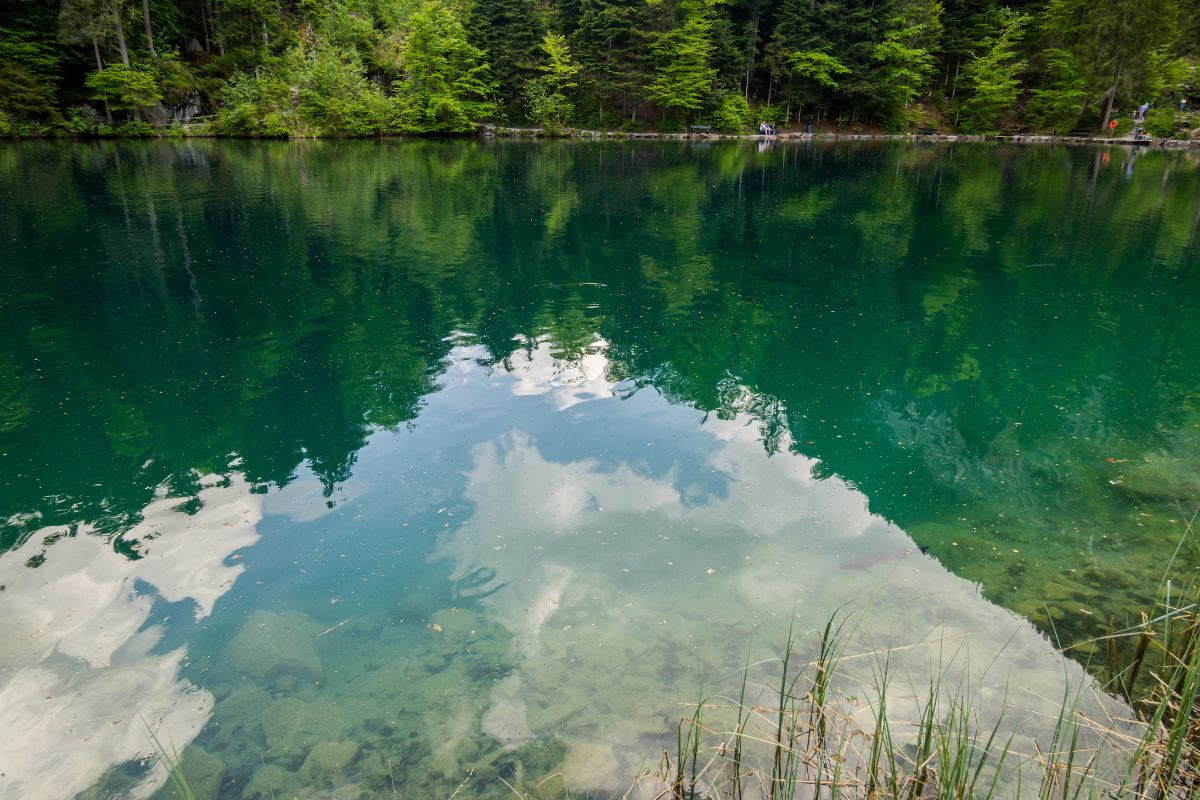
[906,53]
[549,95]
[1115,46]
[683,77]
[447,84]
[991,79]
[509,32]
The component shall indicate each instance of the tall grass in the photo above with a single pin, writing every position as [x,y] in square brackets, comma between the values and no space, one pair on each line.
[808,743]
[171,763]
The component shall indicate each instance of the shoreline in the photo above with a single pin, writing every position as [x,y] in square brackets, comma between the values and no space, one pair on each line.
[491,131]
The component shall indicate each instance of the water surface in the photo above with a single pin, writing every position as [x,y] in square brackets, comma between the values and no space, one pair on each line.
[395,468]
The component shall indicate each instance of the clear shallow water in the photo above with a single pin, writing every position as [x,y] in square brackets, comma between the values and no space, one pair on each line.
[489,456]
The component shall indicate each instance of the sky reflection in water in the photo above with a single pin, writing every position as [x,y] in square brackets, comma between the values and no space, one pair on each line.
[425,456]
[610,583]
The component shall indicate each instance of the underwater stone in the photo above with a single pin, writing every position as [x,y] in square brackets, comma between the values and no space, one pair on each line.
[348,792]
[374,768]
[1162,477]
[327,758]
[414,608]
[293,726]
[1063,589]
[592,768]
[202,771]
[271,783]
[271,645]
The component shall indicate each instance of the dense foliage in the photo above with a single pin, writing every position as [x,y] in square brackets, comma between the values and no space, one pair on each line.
[363,67]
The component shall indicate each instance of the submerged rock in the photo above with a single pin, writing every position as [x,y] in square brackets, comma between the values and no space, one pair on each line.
[350,791]
[592,768]
[241,713]
[271,783]
[270,646]
[1161,476]
[374,767]
[202,772]
[327,759]
[292,727]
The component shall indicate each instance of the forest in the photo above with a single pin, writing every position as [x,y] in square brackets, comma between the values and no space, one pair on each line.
[302,68]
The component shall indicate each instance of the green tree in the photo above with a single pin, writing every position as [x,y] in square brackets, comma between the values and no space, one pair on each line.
[905,55]
[124,87]
[1114,46]
[447,85]
[683,76]
[815,70]
[548,95]
[992,78]
[610,43]
[335,96]
[508,32]
[1058,104]
[29,66]
[255,106]
[85,22]
[732,115]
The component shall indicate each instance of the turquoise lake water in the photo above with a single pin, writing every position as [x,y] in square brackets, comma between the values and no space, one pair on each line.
[392,469]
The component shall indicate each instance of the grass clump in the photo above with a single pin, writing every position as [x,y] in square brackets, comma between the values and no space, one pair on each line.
[813,742]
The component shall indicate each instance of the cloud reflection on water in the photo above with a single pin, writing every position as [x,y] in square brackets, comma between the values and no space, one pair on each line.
[626,588]
[82,665]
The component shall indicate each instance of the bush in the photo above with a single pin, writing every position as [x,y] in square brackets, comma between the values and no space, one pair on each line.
[125,88]
[83,121]
[255,107]
[336,98]
[672,124]
[774,114]
[135,129]
[1162,123]
[175,81]
[732,115]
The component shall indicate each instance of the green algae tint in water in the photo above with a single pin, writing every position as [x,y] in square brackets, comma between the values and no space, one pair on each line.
[395,469]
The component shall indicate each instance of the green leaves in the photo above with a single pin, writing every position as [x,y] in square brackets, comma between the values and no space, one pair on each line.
[447,85]
[1111,47]
[816,66]
[732,115]
[991,79]
[1059,104]
[683,76]
[124,87]
[547,96]
[906,53]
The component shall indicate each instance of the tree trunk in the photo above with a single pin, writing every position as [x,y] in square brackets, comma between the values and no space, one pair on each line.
[216,25]
[96,49]
[1112,95]
[204,25]
[100,65]
[146,22]
[751,43]
[116,12]
[1108,107]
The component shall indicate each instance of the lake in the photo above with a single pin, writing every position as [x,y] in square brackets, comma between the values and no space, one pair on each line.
[417,469]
